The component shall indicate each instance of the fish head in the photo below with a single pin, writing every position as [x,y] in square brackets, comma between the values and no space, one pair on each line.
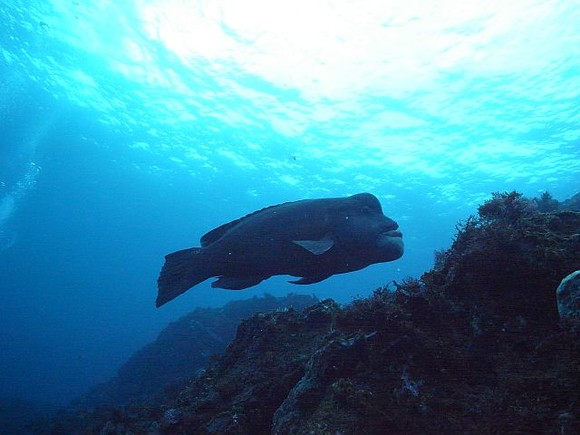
[362,226]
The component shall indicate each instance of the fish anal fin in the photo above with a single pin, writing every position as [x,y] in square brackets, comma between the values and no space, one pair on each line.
[309,279]
[237,282]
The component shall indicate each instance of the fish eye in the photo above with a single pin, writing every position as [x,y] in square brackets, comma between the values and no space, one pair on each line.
[365,210]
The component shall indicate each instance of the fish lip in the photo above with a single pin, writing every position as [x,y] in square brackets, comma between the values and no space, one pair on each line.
[392,233]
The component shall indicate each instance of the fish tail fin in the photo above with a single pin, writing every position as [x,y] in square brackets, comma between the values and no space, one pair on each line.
[182,270]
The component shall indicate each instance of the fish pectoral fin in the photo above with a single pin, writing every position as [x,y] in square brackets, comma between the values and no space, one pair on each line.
[237,282]
[316,247]
[309,279]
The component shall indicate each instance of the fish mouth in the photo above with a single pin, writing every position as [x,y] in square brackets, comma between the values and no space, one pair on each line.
[391,244]
[392,233]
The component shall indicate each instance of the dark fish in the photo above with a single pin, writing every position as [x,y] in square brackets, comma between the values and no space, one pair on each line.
[312,239]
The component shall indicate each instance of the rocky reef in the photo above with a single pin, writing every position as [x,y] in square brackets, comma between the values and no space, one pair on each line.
[182,349]
[476,345]
[163,367]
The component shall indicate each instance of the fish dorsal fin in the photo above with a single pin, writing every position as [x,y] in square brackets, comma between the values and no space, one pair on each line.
[213,235]
[317,247]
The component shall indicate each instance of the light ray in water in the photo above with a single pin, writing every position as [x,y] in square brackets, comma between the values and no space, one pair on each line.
[10,201]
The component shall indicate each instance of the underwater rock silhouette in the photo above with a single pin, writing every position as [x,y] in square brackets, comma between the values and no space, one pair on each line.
[474,346]
[16,414]
[312,239]
[183,349]
[572,203]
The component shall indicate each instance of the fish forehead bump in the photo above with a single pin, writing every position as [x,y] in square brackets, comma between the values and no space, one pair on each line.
[367,199]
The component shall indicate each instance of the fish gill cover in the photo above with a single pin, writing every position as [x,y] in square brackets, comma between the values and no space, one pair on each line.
[129,128]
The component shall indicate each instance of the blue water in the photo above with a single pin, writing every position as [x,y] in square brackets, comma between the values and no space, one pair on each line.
[129,129]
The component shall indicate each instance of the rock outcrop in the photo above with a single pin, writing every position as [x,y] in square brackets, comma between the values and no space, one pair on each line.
[474,346]
[568,296]
[181,350]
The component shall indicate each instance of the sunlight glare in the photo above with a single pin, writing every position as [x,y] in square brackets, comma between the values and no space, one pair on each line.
[337,47]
